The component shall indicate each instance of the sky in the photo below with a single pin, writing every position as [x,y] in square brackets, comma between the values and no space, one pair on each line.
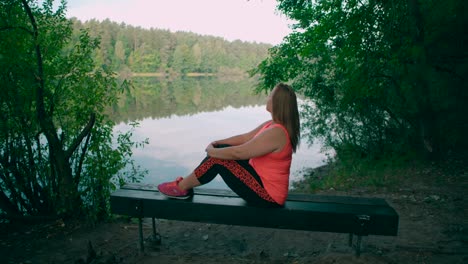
[246,20]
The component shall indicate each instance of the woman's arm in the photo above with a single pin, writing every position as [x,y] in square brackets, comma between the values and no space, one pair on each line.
[239,139]
[271,140]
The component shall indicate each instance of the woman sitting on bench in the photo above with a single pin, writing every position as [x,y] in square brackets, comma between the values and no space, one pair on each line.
[255,165]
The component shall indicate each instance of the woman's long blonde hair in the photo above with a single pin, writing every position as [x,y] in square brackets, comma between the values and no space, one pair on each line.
[285,112]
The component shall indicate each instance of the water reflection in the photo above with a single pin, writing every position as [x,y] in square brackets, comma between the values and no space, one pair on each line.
[180,121]
[158,98]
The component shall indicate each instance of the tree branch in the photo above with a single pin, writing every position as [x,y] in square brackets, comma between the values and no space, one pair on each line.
[86,130]
[44,120]
[82,157]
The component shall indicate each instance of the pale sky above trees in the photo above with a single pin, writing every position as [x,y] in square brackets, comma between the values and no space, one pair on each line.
[253,21]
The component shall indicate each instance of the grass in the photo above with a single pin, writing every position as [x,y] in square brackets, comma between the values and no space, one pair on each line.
[391,173]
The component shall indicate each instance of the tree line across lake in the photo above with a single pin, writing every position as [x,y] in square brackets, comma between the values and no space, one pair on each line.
[128,49]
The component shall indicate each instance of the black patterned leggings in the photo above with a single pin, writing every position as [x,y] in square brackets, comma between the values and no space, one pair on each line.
[239,176]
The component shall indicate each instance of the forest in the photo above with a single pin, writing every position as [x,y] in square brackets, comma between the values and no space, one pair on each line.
[386,78]
[386,82]
[128,49]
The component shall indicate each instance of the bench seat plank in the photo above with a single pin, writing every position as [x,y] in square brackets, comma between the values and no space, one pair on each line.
[338,214]
[291,196]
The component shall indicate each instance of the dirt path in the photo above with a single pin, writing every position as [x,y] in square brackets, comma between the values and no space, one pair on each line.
[433,229]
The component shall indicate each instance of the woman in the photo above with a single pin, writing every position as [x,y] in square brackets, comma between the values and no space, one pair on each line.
[255,165]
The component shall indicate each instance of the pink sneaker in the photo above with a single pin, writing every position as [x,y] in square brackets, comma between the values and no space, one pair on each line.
[172,190]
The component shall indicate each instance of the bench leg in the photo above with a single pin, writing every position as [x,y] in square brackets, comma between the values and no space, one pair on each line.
[156,235]
[358,243]
[358,246]
[363,221]
[140,231]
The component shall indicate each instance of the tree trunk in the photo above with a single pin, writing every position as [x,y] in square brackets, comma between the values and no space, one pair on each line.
[426,117]
[68,201]
[7,206]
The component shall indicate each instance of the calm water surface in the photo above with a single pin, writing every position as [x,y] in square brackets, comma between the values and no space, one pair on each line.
[177,141]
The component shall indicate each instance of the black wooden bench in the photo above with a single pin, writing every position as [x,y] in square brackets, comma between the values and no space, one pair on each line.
[338,214]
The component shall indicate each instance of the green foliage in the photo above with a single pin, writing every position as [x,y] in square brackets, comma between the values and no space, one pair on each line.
[156,50]
[381,77]
[57,156]
[108,165]
[352,171]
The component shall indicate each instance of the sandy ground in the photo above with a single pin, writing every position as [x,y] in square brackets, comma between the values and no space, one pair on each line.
[433,229]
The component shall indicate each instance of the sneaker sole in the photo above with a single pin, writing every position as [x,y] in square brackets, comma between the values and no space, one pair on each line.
[176,197]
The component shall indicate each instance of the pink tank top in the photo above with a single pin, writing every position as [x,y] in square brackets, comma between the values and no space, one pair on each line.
[273,168]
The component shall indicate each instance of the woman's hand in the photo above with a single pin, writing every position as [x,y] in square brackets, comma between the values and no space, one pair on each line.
[209,147]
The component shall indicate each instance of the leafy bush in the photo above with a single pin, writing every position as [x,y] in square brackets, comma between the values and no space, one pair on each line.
[57,155]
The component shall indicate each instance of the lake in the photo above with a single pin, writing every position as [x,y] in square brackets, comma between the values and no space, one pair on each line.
[180,118]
